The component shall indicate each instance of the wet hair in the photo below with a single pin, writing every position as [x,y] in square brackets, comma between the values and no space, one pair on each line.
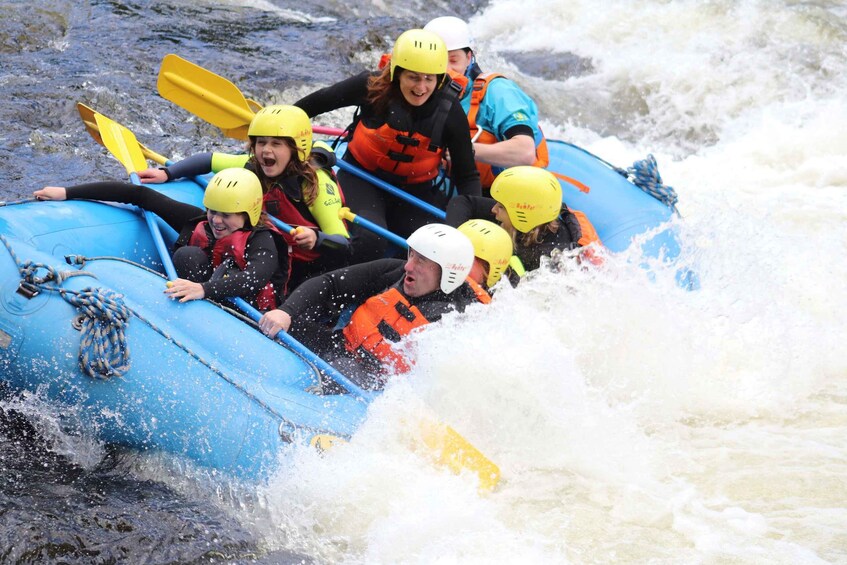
[295,167]
[379,89]
[535,235]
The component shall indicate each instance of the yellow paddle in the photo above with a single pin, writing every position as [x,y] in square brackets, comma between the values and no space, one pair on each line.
[203,93]
[457,453]
[88,118]
[122,144]
[212,97]
[241,131]
[448,446]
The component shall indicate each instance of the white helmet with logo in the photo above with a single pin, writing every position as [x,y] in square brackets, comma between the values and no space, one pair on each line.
[453,31]
[448,247]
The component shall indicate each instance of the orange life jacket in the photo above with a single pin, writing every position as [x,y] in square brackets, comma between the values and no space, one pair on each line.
[231,246]
[486,172]
[480,293]
[589,236]
[408,156]
[385,319]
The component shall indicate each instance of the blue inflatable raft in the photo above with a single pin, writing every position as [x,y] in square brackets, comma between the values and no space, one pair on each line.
[195,379]
[84,324]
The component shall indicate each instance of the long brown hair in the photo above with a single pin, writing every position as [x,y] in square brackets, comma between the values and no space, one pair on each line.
[295,167]
[380,90]
[535,235]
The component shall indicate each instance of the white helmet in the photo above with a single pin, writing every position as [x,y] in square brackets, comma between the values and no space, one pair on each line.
[453,31]
[448,247]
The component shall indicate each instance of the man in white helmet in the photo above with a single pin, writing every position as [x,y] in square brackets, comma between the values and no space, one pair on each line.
[391,297]
[503,119]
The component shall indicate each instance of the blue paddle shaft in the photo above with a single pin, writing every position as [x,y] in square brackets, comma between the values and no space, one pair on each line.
[307,354]
[378,182]
[381,231]
[156,234]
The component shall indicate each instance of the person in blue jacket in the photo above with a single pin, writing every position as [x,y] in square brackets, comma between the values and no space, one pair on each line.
[503,119]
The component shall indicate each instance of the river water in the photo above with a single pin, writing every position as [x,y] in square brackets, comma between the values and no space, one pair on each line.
[634,422]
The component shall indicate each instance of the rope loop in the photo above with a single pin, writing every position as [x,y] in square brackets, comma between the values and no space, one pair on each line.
[645,175]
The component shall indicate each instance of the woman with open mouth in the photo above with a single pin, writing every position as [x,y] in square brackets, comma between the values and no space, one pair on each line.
[407,123]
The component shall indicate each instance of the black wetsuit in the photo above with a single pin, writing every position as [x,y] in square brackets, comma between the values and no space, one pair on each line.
[374,203]
[261,251]
[317,305]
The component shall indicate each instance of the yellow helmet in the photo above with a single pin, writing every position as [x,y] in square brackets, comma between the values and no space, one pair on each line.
[284,121]
[419,51]
[492,244]
[235,190]
[531,196]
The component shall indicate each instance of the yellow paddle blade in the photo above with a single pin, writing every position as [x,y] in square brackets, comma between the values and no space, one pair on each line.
[325,442]
[203,93]
[241,131]
[87,114]
[457,453]
[121,143]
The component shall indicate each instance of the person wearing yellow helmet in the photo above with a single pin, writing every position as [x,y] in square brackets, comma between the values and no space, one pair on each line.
[527,202]
[492,251]
[408,119]
[228,250]
[503,119]
[388,297]
[298,185]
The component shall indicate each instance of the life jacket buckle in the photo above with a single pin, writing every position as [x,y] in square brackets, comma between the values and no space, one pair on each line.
[405,311]
[389,333]
[407,140]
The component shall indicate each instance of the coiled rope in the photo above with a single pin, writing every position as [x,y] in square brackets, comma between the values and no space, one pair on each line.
[103,349]
[645,175]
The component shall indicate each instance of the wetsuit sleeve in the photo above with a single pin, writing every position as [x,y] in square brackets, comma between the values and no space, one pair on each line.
[173,212]
[463,208]
[331,293]
[262,261]
[198,164]
[221,161]
[463,170]
[348,92]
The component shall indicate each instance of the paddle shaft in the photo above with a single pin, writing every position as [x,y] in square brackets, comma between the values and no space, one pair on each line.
[156,234]
[346,214]
[402,194]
